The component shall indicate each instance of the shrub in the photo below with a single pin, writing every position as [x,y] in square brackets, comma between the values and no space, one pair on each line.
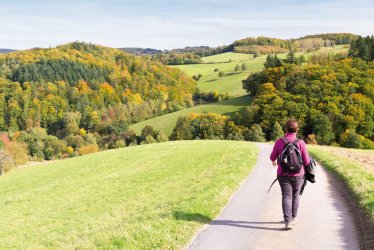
[76,141]
[200,126]
[255,133]
[161,137]
[54,148]
[6,162]
[311,139]
[148,140]
[350,139]
[277,132]
[18,151]
[88,149]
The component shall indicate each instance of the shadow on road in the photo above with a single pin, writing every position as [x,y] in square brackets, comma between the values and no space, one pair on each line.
[249,224]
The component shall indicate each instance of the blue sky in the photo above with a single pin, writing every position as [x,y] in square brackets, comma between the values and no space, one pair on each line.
[166,24]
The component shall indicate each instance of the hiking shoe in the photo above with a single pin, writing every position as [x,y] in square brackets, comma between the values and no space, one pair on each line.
[294,221]
[288,226]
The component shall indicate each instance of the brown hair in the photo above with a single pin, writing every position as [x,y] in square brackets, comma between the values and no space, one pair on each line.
[292,126]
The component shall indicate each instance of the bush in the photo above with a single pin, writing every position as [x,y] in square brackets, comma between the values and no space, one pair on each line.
[350,139]
[255,133]
[6,162]
[311,139]
[89,149]
[277,132]
[160,136]
[200,126]
[54,148]
[18,151]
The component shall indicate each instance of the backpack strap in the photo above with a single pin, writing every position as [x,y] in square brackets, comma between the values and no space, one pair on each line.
[276,179]
[284,140]
[296,141]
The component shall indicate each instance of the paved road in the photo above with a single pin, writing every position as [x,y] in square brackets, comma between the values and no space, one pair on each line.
[252,219]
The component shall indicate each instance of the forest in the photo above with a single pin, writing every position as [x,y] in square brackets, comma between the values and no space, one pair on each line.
[78,98]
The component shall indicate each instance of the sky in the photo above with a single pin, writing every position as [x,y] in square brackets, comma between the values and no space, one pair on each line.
[168,24]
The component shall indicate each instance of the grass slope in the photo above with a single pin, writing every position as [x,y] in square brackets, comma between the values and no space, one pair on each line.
[166,123]
[232,81]
[151,196]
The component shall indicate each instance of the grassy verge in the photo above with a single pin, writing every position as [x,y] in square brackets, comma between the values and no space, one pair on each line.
[144,197]
[357,177]
[166,123]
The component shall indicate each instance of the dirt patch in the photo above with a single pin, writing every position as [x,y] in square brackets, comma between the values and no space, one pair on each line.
[35,163]
[365,157]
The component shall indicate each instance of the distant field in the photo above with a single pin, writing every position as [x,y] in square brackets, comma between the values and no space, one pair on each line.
[226,57]
[154,196]
[226,62]
[166,123]
[232,81]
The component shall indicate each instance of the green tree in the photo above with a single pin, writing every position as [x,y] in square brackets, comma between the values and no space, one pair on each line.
[323,129]
[244,66]
[276,132]
[255,133]
[237,68]
[221,74]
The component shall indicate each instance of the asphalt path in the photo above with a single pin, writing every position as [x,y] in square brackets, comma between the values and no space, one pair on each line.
[253,218]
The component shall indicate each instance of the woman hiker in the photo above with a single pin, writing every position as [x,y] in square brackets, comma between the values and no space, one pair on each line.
[290,180]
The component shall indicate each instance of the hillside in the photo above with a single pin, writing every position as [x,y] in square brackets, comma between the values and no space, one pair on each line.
[80,93]
[230,83]
[151,196]
[166,123]
[226,62]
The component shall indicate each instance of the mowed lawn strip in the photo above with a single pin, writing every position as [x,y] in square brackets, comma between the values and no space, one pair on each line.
[357,176]
[143,197]
[166,123]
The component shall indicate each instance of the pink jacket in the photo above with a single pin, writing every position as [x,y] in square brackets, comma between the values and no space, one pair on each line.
[279,146]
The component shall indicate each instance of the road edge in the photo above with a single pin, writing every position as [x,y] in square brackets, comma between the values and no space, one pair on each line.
[205,226]
[363,224]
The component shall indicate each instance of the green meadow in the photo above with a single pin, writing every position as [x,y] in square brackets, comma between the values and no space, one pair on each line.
[143,197]
[231,82]
[166,123]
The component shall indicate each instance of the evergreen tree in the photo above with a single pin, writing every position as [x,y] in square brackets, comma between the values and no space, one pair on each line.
[291,57]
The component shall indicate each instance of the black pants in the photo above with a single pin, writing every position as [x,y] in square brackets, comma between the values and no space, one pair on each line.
[290,187]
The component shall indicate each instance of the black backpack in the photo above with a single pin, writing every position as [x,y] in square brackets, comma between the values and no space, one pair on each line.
[290,159]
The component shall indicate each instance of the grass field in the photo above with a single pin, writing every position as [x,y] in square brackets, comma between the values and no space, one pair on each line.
[355,167]
[166,123]
[232,81]
[143,197]
[226,62]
